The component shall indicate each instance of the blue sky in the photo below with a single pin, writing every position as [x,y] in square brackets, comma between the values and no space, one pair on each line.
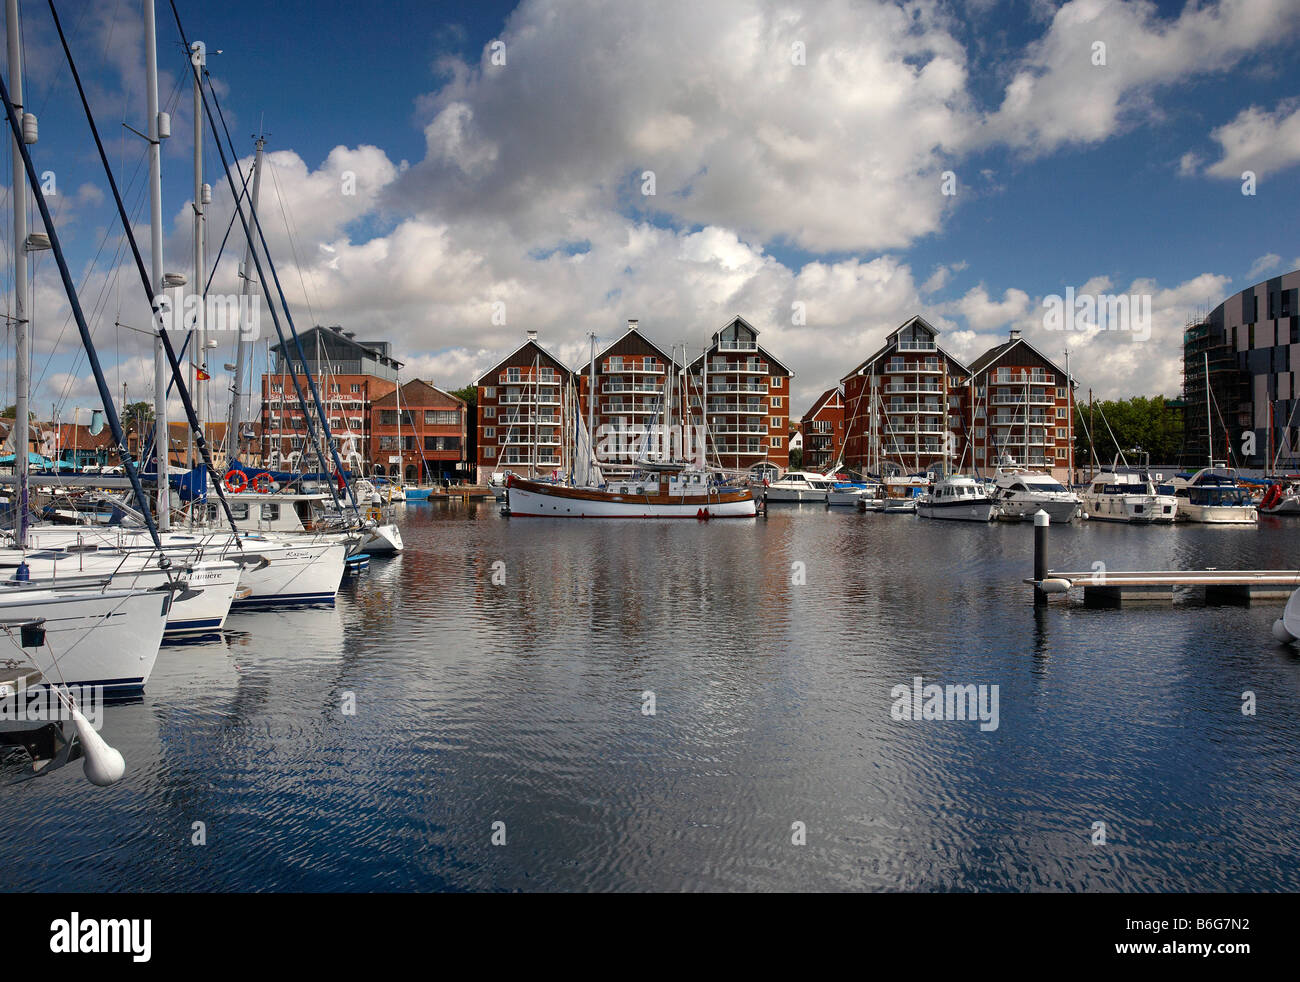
[782,179]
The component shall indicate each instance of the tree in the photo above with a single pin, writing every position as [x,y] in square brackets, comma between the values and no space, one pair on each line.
[1141,423]
[137,414]
[796,458]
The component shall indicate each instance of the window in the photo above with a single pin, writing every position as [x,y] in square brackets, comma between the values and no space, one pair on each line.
[489,453]
[277,387]
[388,443]
[979,433]
[489,412]
[388,417]
[775,441]
[239,510]
[1062,433]
[1060,412]
[489,392]
[776,382]
[1062,394]
[776,402]
[356,389]
[441,417]
[979,412]
[489,432]
[270,511]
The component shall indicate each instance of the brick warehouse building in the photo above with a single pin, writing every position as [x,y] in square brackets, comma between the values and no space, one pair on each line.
[350,376]
[418,432]
[822,429]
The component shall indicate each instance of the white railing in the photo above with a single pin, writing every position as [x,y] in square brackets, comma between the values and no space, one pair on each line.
[725,408]
[728,387]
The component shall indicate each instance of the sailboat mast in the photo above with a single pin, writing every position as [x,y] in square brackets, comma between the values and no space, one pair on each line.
[245,291]
[21,327]
[162,437]
[591,402]
[199,353]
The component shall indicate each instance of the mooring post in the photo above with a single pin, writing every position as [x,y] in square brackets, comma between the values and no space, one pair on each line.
[1042,521]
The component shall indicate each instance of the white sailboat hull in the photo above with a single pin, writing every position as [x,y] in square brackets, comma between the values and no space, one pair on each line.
[107,638]
[382,540]
[295,574]
[526,503]
[212,584]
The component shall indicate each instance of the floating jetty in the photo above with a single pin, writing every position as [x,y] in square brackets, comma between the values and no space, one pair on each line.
[1104,587]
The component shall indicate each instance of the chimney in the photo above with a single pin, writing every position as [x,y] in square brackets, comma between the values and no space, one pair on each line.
[632,323]
[1015,334]
[532,336]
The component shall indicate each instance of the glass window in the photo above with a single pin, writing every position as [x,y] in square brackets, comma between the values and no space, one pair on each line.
[270,511]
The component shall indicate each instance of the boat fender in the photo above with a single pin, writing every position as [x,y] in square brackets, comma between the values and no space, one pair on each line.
[1281,633]
[236,481]
[1055,585]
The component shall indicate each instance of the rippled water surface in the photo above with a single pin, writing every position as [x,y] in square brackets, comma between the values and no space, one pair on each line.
[522,703]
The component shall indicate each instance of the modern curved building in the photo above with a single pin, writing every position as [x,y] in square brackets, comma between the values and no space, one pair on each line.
[1248,349]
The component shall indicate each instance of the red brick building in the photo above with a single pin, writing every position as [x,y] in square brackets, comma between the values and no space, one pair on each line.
[631,377]
[350,375]
[1022,409]
[418,432]
[741,394]
[905,406]
[823,432]
[521,413]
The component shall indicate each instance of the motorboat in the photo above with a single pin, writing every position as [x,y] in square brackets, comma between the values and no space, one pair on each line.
[798,486]
[957,497]
[1020,493]
[1114,496]
[1213,496]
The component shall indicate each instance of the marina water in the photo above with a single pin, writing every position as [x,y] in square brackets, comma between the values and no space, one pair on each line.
[525,701]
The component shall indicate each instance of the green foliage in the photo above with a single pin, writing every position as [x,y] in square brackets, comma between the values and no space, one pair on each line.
[796,458]
[470,394]
[1142,423]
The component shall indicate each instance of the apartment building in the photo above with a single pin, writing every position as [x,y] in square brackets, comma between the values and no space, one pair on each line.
[822,430]
[905,405]
[525,404]
[740,393]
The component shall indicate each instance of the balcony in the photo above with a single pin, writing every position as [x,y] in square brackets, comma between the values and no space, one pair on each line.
[525,420]
[733,408]
[725,388]
[740,450]
[527,460]
[546,376]
[627,408]
[737,345]
[742,429]
[750,366]
[614,387]
[930,366]
[527,440]
[917,346]
[894,408]
[614,368]
[530,400]
[912,388]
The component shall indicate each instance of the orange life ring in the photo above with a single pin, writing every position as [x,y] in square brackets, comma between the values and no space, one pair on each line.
[230,482]
[258,486]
